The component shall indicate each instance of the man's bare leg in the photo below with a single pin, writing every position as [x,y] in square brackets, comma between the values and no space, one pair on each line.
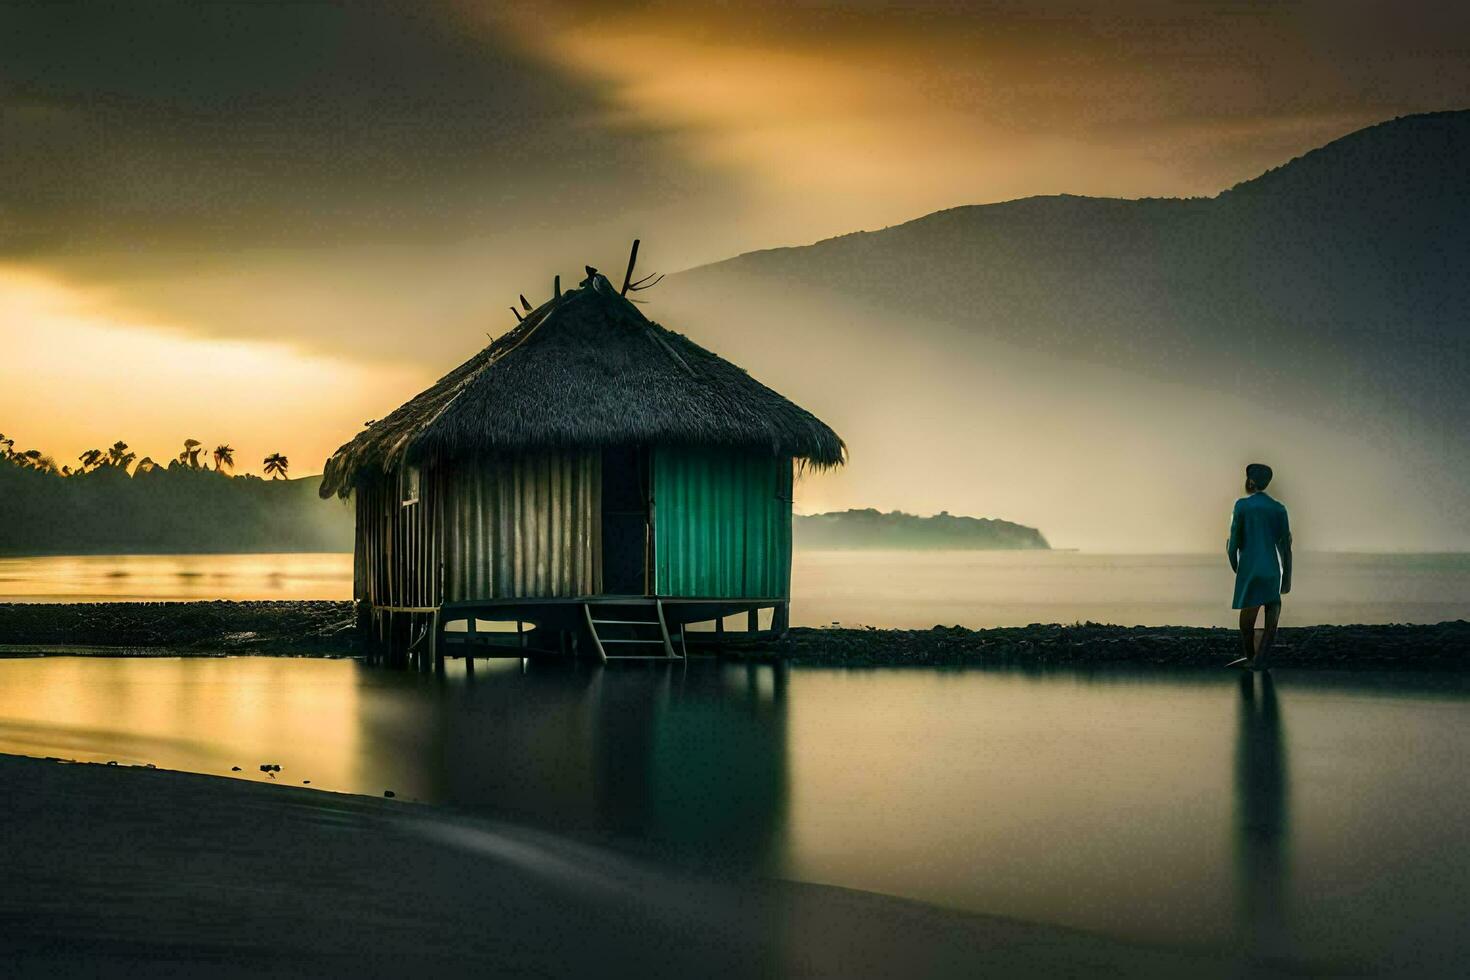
[1273,616]
[1248,631]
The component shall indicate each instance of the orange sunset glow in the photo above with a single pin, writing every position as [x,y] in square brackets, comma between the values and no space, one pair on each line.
[83,374]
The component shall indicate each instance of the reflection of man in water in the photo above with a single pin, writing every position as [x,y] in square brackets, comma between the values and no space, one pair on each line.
[1262,819]
[1260,554]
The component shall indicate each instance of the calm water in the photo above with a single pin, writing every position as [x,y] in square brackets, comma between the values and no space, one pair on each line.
[1320,817]
[906,589]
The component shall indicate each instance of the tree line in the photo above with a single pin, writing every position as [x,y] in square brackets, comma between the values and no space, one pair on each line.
[120,457]
[113,502]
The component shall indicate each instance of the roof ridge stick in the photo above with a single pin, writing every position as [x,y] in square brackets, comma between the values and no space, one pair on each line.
[464,384]
[653,331]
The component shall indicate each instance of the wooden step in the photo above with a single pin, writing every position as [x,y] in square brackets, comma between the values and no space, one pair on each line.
[600,643]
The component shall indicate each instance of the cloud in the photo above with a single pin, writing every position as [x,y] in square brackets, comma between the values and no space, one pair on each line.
[169,125]
[371,180]
[356,191]
[80,376]
[871,112]
[377,179]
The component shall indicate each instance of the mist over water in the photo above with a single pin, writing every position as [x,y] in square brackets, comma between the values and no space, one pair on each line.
[1108,457]
[176,578]
[980,589]
[907,589]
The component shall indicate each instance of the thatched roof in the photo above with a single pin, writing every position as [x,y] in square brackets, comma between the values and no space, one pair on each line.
[586,370]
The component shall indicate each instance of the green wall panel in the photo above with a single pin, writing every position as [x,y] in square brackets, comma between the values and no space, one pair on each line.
[722,524]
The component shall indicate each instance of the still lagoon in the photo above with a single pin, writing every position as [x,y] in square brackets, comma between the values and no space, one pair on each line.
[1310,819]
[912,589]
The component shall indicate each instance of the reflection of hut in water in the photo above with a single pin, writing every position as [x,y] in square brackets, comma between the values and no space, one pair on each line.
[708,772]
[692,761]
[590,473]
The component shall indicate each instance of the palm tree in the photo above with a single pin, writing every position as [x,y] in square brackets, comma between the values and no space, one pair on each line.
[119,456]
[34,459]
[89,459]
[224,456]
[276,465]
[190,455]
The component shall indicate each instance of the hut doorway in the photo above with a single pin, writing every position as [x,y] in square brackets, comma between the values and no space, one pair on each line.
[625,534]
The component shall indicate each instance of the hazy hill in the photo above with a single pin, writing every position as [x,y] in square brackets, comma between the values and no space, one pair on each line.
[1329,296]
[874,529]
[1347,268]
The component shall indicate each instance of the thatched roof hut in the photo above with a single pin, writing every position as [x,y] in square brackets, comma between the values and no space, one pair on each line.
[585,371]
[587,454]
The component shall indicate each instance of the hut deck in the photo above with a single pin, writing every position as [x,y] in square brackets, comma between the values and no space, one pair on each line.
[614,627]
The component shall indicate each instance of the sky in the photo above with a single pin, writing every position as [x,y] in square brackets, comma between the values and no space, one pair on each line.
[265,223]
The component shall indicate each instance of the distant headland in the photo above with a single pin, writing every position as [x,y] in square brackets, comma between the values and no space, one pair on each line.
[873,529]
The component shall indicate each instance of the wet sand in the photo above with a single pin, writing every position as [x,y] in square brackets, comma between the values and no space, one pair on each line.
[326,629]
[122,870]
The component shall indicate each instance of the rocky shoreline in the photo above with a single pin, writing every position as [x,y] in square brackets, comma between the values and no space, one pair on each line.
[326,629]
[305,628]
[1445,646]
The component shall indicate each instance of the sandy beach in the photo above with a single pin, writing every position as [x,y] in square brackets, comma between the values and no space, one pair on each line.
[126,870]
[310,628]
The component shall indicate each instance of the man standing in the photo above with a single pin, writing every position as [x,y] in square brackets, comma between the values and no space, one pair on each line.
[1260,554]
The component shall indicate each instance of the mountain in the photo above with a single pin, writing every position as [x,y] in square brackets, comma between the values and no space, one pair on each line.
[1326,301]
[1357,252]
[869,528]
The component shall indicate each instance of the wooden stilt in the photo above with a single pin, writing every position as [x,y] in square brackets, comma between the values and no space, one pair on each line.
[364,619]
[436,648]
[781,619]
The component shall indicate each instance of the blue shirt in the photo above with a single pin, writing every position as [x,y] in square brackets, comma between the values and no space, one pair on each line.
[1258,531]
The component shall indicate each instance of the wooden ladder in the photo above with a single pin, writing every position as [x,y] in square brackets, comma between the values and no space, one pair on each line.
[616,625]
